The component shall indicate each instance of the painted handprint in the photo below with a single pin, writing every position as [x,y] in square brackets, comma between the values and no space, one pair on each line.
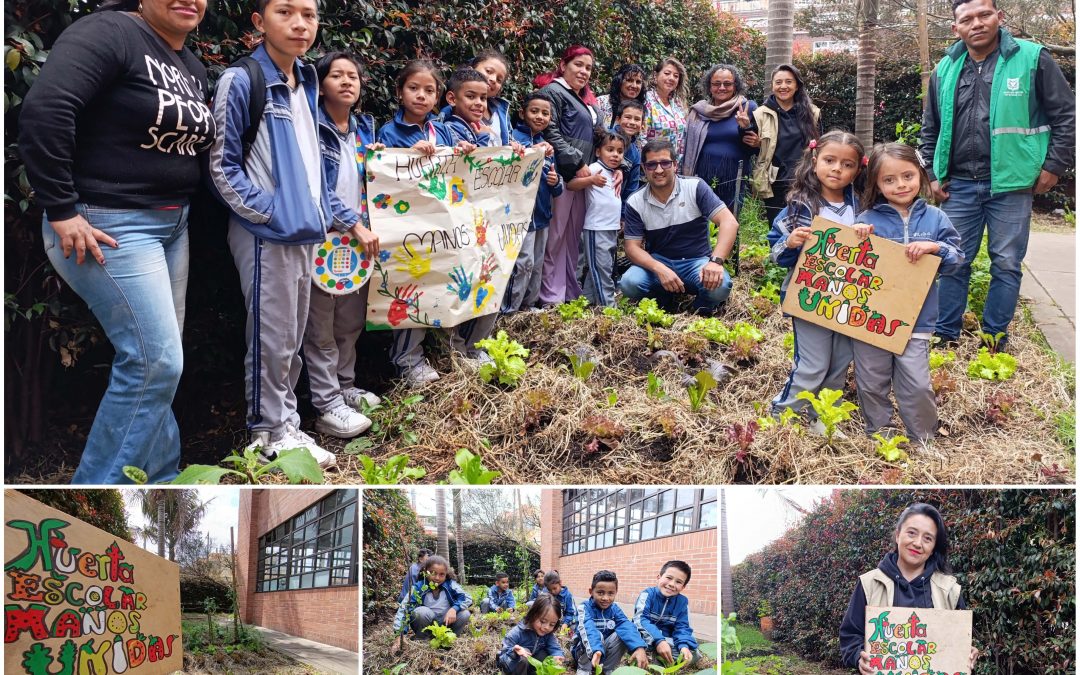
[417,265]
[481,226]
[406,298]
[461,283]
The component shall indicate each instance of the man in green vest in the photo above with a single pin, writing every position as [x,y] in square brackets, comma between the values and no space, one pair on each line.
[999,126]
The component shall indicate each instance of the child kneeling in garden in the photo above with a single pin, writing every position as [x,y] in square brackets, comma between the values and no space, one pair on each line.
[603,634]
[499,596]
[662,615]
[534,636]
[435,598]
[553,584]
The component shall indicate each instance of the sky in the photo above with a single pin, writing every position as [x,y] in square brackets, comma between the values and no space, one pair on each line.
[424,498]
[756,517]
[222,513]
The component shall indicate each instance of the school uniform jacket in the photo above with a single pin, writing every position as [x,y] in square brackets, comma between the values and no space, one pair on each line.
[527,638]
[364,125]
[541,217]
[499,108]
[499,598]
[397,133]
[594,625]
[457,596]
[659,617]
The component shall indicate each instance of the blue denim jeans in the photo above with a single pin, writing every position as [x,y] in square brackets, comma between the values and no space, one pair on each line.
[138,297]
[638,283]
[1007,218]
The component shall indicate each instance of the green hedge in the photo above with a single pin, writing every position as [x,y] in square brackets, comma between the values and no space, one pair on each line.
[195,590]
[1014,553]
[104,509]
[478,554]
[392,535]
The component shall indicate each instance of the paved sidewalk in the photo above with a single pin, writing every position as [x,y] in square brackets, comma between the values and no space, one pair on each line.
[1050,282]
[324,658]
[704,625]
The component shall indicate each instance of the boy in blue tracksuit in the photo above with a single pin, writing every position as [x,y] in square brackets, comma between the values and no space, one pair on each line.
[895,179]
[538,586]
[281,206]
[435,598]
[523,289]
[602,633]
[662,615]
[499,595]
[628,121]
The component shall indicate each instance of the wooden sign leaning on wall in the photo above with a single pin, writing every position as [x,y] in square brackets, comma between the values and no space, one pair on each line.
[81,600]
[863,288]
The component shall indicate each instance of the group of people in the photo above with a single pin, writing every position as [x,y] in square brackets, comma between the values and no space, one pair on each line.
[601,635]
[285,143]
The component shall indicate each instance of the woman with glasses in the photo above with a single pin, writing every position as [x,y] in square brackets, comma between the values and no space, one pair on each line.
[714,131]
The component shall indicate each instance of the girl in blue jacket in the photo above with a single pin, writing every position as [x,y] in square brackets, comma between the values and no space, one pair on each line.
[534,636]
[436,598]
[419,87]
[895,180]
[823,186]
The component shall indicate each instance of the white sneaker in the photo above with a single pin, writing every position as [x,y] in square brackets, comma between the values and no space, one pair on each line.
[817,427]
[259,439]
[342,422]
[294,438]
[475,359]
[419,375]
[354,395]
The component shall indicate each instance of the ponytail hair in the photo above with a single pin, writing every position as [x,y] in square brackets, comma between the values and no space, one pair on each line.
[568,55]
[805,187]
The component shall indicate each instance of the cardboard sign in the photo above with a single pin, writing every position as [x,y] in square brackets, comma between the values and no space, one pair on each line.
[863,288]
[450,228]
[80,600]
[907,641]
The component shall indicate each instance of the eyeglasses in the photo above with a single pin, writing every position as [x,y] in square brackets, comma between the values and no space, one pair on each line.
[664,164]
[721,85]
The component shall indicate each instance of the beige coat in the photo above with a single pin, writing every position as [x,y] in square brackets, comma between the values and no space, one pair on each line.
[768,125]
[879,589]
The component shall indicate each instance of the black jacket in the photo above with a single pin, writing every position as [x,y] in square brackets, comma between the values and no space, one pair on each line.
[970,157]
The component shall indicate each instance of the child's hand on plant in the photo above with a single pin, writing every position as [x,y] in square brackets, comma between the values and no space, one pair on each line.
[686,655]
[451,617]
[917,249]
[863,230]
[663,650]
[522,652]
[797,237]
[642,659]
[596,659]
[425,147]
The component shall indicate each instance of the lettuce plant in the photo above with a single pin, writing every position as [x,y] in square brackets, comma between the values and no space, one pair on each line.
[507,359]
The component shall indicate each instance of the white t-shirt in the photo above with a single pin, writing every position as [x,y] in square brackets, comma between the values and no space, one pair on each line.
[348,178]
[603,208]
[838,212]
[308,141]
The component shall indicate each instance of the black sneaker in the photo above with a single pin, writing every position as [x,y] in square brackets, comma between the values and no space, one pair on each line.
[940,341]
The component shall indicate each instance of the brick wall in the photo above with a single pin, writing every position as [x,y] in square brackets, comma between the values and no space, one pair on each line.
[327,615]
[636,565]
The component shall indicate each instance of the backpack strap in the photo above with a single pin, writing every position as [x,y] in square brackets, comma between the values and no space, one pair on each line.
[256,101]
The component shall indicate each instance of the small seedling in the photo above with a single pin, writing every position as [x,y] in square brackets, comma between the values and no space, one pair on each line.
[612,396]
[396,470]
[548,666]
[703,383]
[395,670]
[649,312]
[939,358]
[789,344]
[507,359]
[473,471]
[825,405]
[388,419]
[613,313]
[741,329]
[652,339]
[442,636]
[889,448]
[582,365]
[742,435]
[297,464]
[987,366]
[573,310]
[673,668]
[655,388]
[711,329]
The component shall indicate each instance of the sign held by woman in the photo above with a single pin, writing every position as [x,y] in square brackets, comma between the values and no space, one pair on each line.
[909,641]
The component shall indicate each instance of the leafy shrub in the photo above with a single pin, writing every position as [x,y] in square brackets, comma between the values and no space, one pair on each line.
[1014,553]
[103,509]
[392,535]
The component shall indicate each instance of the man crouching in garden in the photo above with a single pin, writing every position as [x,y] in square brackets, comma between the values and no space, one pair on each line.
[666,230]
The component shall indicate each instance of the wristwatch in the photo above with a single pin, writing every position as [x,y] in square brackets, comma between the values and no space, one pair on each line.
[718,260]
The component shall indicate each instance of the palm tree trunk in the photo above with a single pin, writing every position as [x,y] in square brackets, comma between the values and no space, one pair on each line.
[443,545]
[867,72]
[924,47]
[778,47]
[161,524]
[459,538]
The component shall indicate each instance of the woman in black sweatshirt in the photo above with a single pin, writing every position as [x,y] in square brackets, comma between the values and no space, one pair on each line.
[915,574]
[111,134]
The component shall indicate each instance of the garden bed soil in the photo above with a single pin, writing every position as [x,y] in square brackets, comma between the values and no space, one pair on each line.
[469,655]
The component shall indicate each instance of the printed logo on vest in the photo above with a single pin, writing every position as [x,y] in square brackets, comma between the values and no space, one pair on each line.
[1012,87]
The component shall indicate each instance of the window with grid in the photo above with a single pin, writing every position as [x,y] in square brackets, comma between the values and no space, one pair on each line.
[596,518]
[316,548]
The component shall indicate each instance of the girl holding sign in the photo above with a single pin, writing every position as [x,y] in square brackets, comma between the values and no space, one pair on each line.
[822,187]
[916,574]
[895,183]
[335,320]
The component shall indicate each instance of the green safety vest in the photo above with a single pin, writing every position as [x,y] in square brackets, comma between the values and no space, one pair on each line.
[1019,130]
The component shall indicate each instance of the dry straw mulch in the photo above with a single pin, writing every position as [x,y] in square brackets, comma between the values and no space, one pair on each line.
[473,653]
[556,429]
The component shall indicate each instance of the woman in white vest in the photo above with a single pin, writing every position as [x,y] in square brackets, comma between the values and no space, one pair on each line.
[915,574]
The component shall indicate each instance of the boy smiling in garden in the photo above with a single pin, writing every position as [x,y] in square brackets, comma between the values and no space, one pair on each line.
[662,614]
